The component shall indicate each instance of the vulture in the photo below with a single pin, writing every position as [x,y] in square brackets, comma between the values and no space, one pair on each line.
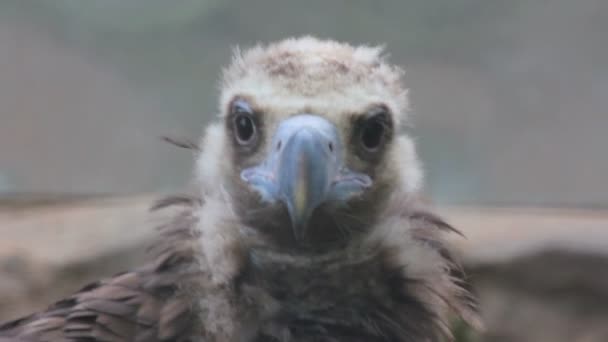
[307,221]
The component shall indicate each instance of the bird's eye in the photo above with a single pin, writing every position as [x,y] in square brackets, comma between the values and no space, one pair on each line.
[373,131]
[243,122]
[245,128]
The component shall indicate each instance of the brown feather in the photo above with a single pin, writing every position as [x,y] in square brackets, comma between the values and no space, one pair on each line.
[181,142]
[144,304]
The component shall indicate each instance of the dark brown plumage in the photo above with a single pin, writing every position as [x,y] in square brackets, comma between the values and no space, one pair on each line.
[140,305]
[244,261]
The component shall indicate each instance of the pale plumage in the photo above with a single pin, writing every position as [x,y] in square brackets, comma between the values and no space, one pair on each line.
[306,225]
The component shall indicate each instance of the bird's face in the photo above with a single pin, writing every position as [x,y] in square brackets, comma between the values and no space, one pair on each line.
[309,165]
[305,161]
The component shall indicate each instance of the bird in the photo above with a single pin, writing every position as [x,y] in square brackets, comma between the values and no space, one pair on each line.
[307,220]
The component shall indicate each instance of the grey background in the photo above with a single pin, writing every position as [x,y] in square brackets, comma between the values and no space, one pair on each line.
[510,98]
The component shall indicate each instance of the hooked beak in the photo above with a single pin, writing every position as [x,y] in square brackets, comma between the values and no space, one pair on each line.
[304,168]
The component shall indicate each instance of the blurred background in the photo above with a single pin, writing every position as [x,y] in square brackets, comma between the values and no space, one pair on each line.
[509,108]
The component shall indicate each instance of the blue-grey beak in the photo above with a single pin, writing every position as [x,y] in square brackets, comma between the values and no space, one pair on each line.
[304,169]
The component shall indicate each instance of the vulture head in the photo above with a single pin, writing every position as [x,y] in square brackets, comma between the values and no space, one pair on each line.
[309,147]
[307,224]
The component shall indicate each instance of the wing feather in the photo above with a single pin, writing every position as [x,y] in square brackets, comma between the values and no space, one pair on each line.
[145,304]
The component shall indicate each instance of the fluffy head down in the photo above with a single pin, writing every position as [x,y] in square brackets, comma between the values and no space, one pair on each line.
[322,77]
[318,74]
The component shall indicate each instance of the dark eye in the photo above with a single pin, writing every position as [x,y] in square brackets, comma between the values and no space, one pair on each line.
[243,123]
[244,128]
[373,131]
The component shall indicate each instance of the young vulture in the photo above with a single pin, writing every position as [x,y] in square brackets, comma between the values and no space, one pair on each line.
[307,225]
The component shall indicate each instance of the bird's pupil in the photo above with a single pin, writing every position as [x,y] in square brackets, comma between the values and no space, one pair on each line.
[372,134]
[244,128]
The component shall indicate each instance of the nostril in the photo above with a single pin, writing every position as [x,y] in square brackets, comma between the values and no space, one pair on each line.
[331,146]
[279,144]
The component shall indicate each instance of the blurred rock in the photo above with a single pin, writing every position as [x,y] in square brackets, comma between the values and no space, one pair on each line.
[550,296]
[540,274]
